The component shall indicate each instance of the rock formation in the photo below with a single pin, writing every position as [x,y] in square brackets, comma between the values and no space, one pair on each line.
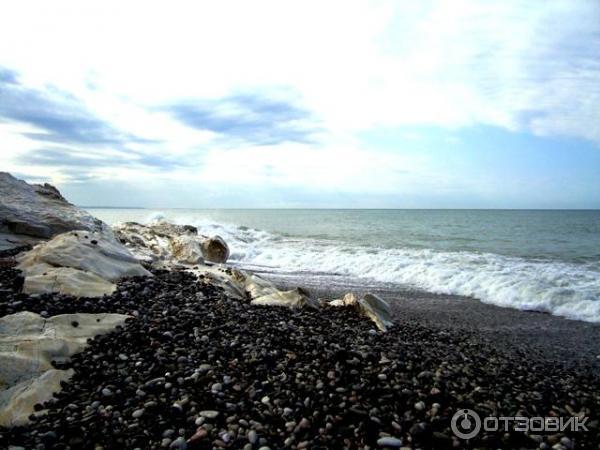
[80,263]
[28,345]
[31,213]
[163,244]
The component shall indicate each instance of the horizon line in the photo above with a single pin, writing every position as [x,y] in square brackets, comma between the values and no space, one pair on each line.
[339,208]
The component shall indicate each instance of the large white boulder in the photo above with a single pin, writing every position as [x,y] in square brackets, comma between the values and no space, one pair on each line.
[30,213]
[370,306]
[68,281]
[79,263]
[28,345]
[186,249]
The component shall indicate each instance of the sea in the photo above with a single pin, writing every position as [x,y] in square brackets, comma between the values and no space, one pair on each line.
[539,260]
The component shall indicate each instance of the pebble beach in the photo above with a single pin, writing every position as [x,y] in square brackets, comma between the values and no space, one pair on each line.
[194,368]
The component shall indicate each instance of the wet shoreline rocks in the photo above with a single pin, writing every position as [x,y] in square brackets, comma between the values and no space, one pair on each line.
[165,244]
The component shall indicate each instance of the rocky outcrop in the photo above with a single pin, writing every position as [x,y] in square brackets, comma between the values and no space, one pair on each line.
[31,213]
[164,244]
[79,263]
[28,345]
[371,306]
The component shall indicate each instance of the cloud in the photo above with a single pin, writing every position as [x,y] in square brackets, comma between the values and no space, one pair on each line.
[250,118]
[89,159]
[60,116]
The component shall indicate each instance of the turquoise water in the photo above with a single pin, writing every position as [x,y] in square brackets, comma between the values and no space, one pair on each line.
[536,260]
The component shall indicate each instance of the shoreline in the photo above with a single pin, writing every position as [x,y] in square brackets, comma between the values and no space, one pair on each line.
[552,338]
[196,368]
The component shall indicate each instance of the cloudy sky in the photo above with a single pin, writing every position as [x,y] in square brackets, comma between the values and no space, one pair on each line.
[304,104]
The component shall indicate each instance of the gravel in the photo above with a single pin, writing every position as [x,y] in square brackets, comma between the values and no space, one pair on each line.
[196,369]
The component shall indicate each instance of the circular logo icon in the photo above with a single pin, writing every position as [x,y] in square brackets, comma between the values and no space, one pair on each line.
[465,424]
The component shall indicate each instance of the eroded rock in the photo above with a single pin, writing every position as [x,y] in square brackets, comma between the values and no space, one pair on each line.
[28,345]
[164,244]
[370,306]
[294,298]
[80,263]
[31,213]
[215,249]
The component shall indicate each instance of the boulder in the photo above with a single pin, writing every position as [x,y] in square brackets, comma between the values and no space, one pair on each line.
[68,281]
[186,250]
[215,249]
[31,213]
[78,263]
[28,345]
[370,305]
[294,298]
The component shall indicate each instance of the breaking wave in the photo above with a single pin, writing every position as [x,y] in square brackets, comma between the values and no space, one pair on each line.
[565,289]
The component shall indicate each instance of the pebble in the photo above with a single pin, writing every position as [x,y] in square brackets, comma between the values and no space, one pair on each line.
[138,413]
[389,442]
[200,434]
[252,437]
[179,443]
[209,414]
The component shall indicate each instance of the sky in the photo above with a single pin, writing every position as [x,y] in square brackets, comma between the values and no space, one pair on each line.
[279,104]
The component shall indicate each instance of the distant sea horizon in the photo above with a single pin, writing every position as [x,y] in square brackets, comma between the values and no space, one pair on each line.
[530,259]
[340,209]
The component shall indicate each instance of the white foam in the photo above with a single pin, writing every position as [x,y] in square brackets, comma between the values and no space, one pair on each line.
[561,288]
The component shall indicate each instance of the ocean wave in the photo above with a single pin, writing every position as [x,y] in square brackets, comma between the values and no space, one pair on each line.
[562,288]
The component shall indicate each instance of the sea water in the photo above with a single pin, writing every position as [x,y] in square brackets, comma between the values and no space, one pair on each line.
[532,260]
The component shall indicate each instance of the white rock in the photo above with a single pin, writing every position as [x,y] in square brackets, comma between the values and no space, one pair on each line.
[165,244]
[28,344]
[295,298]
[370,306]
[91,252]
[79,263]
[68,281]
[186,250]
